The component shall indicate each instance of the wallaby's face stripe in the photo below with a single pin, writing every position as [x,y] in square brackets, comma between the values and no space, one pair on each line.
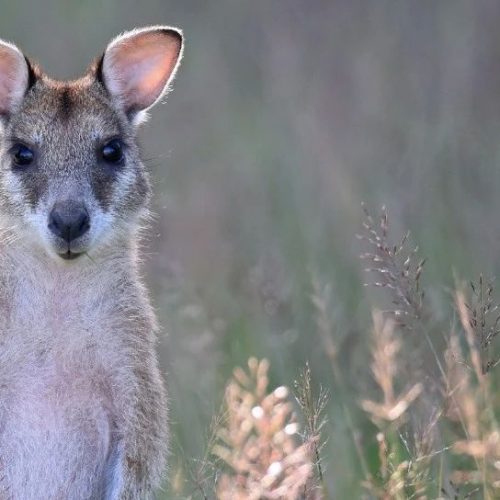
[67,103]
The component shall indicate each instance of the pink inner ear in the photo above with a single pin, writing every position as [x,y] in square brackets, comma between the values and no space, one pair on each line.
[139,67]
[13,77]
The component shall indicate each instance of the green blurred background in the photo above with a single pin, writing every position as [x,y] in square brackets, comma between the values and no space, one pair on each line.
[286,115]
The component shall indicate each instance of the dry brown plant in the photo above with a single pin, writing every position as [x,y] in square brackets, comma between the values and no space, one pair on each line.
[404,468]
[469,389]
[259,441]
[397,267]
[398,270]
[313,413]
[480,318]
[385,368]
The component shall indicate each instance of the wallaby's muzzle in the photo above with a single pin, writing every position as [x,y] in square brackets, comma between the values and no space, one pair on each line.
[68,221]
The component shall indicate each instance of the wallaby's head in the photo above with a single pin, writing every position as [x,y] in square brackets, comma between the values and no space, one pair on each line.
[71,178]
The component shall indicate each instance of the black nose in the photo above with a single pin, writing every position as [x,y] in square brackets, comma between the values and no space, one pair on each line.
[69,220]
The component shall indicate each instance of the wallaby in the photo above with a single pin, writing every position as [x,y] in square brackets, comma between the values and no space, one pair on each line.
[82,402]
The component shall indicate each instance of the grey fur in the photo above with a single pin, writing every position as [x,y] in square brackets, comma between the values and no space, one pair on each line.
[82,402]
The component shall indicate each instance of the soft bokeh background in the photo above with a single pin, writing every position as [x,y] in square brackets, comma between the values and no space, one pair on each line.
[286,115]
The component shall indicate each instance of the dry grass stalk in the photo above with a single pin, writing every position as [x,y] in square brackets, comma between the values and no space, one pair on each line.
[469,397]
[480,319]
[312,411]
[258,441]
[386,346]
[422,453]
[203,473]
[399,479]
[197,477]
[397,268]
[404,468]
[469,400]
[465,320]
[404,473]
[460,398]
[321,298]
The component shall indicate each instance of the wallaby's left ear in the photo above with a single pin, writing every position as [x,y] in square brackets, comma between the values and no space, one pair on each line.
[138,66]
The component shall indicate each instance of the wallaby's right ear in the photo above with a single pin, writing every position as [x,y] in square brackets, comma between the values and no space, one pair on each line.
[14,77]
[138,67]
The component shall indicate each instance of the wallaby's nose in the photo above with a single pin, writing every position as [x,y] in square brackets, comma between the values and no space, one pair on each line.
[69,220]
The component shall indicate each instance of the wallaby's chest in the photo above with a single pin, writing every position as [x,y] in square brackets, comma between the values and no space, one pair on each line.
[49,409]
[42,395]
[55,392]
[52,347]
[56,309]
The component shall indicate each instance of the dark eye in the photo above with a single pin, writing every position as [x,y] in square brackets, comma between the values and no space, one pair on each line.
[22,156]
[112,152]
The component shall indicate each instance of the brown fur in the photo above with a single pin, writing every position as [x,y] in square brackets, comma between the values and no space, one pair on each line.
[82,402]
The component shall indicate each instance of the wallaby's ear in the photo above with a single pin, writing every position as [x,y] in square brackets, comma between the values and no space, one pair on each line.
[138,66]
[14,77]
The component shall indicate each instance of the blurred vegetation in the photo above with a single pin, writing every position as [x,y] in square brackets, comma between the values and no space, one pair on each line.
[286,115]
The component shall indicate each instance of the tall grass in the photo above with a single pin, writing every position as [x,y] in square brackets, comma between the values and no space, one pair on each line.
[284,116]
[427,428]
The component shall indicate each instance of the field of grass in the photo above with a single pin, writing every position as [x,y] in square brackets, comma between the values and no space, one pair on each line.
[285,117]
[348,102]
[419,421]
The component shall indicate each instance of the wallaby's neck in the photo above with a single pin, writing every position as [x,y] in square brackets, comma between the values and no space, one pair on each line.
[38,287]
[32,264]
